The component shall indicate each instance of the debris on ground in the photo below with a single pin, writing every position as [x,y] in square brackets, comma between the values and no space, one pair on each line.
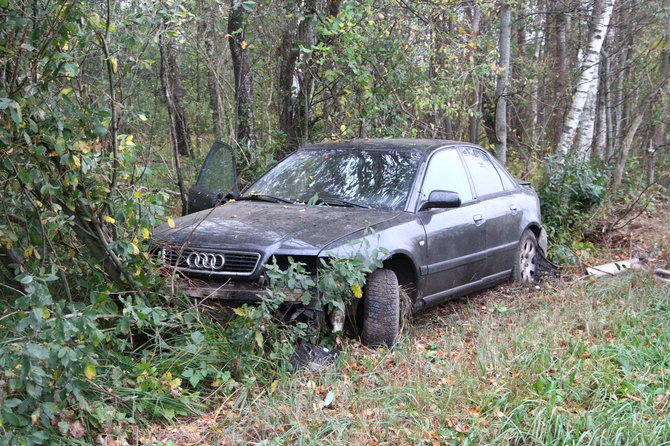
[545,267]
[662,274]
[613,268]
[312,357]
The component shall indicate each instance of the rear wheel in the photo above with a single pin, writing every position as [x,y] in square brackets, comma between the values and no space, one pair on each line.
[525,261]
[381,309]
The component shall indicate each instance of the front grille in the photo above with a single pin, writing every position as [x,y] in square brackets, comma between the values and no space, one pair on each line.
[212,262]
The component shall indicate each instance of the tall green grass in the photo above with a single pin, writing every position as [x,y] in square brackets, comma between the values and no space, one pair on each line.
[586,364]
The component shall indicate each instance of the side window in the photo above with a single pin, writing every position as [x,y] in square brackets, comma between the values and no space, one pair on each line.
[484,174]
[506,178]
[446,172]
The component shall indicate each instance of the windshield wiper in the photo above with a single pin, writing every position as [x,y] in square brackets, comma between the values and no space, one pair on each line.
[341,202]
[264,197]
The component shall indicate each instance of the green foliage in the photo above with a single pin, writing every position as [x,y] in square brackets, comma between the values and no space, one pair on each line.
[90,342]
[78,287]
[382,81]
[342,276]
[60,358]
[571,191]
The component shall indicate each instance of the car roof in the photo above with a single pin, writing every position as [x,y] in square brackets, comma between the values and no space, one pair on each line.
[409,144]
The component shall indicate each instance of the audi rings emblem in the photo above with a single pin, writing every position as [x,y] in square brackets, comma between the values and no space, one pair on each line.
[206,260]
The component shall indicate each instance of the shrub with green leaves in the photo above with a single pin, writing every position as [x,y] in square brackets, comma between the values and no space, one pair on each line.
[570,193]
[80,301]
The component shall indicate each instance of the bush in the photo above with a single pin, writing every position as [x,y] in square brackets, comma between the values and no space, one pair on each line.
[570,193]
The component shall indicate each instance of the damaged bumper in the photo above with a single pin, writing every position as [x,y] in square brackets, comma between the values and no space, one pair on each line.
[233,292]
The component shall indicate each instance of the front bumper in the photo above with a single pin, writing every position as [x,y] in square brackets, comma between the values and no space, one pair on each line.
[542,240]
[233,292]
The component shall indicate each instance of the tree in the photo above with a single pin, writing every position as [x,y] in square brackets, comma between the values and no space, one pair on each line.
[292,83]
[173,117]
[602,12]
[208,31]
[172,86]
[243,73]
[502,82]
[658,142]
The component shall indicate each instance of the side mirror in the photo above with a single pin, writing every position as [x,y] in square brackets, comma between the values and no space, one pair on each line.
[441,199]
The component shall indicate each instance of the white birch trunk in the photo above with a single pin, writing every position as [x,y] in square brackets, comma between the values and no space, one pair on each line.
[602,13]
[584,138]
[600,143]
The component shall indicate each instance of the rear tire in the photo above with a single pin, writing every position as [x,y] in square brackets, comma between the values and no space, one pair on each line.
[525,259]
[381,309]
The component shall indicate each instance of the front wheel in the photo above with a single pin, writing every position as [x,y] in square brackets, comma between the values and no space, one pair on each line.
[381,309]
[525,260]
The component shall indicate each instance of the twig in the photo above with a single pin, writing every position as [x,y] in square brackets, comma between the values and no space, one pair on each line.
[113,395]
[112,99]
[612,227]
[662,274]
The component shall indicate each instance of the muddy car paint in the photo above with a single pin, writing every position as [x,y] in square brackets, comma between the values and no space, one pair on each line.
[439,253]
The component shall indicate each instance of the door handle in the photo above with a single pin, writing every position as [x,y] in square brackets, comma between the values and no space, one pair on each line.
[513,208]
[478,218]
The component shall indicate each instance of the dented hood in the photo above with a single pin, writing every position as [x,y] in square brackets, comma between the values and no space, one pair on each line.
[275,227]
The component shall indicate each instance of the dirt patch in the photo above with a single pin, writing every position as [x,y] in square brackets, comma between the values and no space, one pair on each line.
[646,237]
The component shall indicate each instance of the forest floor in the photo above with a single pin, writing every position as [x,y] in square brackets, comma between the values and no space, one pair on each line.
[570,361]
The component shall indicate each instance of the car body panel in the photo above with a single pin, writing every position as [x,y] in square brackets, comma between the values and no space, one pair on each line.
[269,228]
[455,243]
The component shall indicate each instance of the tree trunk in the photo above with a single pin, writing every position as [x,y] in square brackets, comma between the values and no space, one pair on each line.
[177,93]
[560,64]
[639,114]
[535,85]
[476,94]
[658,140]
[625,149]
[292,86]
[172,118]
[212,83]
[624,98]
[657,145]
[244,81]
[600,143]
[295,85]
[584,137]
[502,80]
[601,16]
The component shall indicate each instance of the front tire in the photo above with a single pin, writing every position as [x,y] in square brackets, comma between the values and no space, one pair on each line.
[381,309]
[525,260]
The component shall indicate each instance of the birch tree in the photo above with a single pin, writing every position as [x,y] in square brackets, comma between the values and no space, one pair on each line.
[602,12]
[585,130]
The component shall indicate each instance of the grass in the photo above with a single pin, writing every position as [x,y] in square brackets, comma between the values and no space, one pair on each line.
[588,363]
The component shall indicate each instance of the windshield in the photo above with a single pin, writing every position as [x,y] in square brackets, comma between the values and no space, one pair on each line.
[368,178]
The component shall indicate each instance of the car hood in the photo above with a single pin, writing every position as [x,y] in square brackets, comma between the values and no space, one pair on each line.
[275,227]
